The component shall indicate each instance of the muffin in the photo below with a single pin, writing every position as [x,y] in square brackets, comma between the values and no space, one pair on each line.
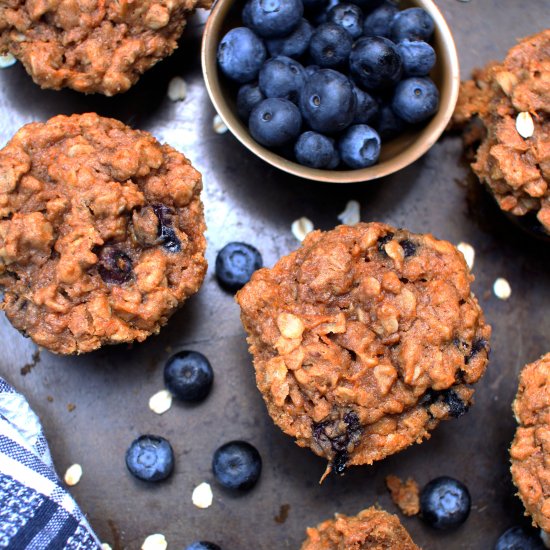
[101,232]
[92,46]
[530,450]
[364,339]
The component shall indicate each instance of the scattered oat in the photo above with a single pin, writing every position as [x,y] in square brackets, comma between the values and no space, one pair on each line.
[300,228]
[545,538]
[282,516]
[105,546]
[71,407]
[468,252]
[73,474]
[155,542]
[177,89]
[405,494]
[219,125]
[202,495]
[7,60]
[160,402]
[525,125]
[502,289]
[351,214]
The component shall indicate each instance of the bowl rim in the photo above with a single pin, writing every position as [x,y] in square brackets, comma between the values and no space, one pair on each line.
[432,131]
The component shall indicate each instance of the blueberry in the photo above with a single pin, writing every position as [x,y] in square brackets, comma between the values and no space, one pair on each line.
[415,99]
[150,458]
[378,23]
[246,15]
[366,107]
[235,264]
[282,77]
[359,146]
[327,101]
[457,407]
[241,54]
[165,232]
[516,538]
[418,57]
[203,545]
[413,23]
[275,122]
[445,503]
[315,150]
[375,63]
[330,45]
[409,248]
[293,45]
[347,16]
[248,97]
[311,69]
[237,465]
[275,18]
[388,124]
[114,267]
[188,375]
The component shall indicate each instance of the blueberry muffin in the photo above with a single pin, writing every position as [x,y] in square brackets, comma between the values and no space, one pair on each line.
[371,529]
[364,339]
[530,450]
[101,232]
[92,46]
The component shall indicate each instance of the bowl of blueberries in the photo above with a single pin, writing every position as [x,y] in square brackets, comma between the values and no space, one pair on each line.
[329,90]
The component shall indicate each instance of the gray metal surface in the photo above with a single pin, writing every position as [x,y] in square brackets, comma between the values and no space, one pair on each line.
[247,200]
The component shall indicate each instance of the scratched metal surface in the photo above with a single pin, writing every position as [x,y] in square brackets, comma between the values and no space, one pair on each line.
[247,200]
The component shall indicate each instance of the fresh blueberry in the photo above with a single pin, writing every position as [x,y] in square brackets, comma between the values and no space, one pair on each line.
[388,124]
[248,97]
[235,264]
[311,69]
[241,54]
[315,150]
[366,107]
[375,63]
[275,122]
[330,45]
[378,23]
[445,503]
[516,538]
[327,101]
[237,465]
[275,18]
[347,16]
[188,375]
[282,77]
[150,458]
[203,545]
[114,266]
[415,99]
[418,57]
[293,45]
[412,23]
[359,146]
[246,14]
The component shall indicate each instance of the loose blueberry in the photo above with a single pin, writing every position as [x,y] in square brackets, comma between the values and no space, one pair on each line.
[235,264]
[275,18]
[203,545]
[237,465]
[247,14]
[359,146]
[275,122]
[418,57]
[241,54]
[282,77]
[293,45]
[114,267]
[315,150]
[445,503]
[366,107]
[378,23]
[327,101]
[248,97]
[388,124]
[188,375]
[412,23]
[375,63]
[150,458]
[165,233]
[516,538]
[347,16]
[330,45]
[415,99]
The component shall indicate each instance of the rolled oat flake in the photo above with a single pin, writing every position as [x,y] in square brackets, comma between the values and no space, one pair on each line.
[525,125]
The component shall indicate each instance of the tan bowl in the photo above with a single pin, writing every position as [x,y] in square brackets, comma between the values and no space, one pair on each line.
[395,154]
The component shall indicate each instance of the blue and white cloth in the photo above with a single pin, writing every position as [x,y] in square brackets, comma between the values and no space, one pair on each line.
[36,512]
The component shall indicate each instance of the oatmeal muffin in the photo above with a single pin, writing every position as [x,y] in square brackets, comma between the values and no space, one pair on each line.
[512,101]
[370,529]
[530,450]
[92,45]
[364,339]
[101,232]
